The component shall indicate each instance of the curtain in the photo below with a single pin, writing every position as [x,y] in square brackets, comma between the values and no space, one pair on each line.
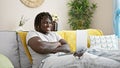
[117,18]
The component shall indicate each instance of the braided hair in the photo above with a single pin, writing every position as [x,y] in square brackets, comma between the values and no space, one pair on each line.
[38,18]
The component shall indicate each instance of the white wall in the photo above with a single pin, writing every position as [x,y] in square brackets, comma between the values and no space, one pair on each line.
[103,17]
[12,10]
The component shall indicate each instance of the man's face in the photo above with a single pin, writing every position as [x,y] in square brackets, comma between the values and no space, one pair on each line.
[46,24]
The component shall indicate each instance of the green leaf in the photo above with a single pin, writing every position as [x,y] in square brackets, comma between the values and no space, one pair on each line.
[80,13]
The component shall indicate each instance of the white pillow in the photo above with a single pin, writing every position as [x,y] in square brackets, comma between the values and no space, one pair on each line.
[108,42]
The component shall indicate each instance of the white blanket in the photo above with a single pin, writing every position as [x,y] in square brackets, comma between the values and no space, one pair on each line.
[111,54]
[86,61]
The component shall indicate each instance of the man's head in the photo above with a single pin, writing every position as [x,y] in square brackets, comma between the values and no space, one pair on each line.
[43,22]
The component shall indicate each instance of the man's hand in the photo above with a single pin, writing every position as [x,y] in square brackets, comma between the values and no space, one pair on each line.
[79,53]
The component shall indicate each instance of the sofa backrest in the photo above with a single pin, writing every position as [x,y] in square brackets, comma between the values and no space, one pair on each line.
[9,47]
[70,36]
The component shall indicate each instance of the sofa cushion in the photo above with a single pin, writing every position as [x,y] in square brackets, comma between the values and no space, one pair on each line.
[93,32]
[70,37]
[61,33]
[107,42]
[9,47]
[25,57]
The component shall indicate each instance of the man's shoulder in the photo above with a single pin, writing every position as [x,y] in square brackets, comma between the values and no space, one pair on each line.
[52,32]
[32,31]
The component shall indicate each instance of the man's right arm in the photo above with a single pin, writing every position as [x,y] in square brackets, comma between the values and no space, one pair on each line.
[42,47]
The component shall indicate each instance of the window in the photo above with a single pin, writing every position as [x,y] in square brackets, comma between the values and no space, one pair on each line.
[117,17]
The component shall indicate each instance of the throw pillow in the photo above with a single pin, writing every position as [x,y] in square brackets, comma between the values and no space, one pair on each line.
[108,42]
[96,32]
[5,62]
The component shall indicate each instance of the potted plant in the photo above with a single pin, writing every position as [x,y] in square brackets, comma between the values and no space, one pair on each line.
[21,23]
[80,13]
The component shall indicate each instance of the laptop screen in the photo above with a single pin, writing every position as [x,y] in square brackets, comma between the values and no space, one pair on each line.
[81,40]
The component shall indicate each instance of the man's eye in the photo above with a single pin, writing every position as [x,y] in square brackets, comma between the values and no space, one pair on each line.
[47,22]
[50,22]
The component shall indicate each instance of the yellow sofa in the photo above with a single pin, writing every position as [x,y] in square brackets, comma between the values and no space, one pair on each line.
[68,35]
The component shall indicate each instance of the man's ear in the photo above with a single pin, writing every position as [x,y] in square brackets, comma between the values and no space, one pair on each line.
[37,28]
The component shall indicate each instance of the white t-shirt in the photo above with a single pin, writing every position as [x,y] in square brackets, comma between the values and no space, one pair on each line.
[67,61]
[50,37]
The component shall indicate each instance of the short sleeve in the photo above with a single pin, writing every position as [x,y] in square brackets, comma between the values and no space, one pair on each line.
[58,36]
[30,34]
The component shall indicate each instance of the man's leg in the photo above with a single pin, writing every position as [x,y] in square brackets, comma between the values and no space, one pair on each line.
[86,61]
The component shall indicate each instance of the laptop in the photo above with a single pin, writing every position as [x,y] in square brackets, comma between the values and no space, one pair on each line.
[81,40]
